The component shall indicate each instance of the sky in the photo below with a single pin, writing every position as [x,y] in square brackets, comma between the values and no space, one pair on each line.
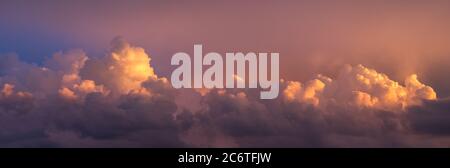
[354,73]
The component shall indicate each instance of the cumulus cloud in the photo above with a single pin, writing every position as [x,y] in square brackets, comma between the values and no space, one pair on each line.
[358,108]
[361,87]
[123,70]
[73,100]
[117,100]
[13,101]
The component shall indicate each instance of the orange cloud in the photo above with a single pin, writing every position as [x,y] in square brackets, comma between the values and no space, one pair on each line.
[362,87]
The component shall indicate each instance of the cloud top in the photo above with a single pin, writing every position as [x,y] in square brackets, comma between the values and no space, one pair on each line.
[360,86]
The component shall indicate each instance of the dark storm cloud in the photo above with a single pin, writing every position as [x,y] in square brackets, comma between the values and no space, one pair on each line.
[251,123]
[431,118]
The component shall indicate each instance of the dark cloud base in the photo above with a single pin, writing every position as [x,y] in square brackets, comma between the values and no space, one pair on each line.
[228,122]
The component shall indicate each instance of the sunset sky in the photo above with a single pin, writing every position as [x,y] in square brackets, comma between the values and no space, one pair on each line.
[97,74]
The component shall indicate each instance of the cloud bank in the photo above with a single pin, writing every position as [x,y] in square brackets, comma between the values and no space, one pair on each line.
[117,100]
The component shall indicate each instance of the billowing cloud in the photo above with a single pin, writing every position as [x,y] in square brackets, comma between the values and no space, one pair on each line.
[123,70]
[358,108]
[77,101]
[14,101]
[117,100]
[361,87]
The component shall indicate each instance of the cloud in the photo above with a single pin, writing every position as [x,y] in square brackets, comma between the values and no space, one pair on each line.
[117,100]
[13,101]
[359,108]
[431,118]
[123,70]
[361,87]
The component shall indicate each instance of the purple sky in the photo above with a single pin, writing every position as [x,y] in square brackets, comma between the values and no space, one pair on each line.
[397,38]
